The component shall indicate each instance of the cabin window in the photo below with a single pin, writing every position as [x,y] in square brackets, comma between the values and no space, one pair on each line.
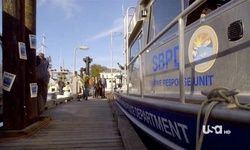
[204,9]
[134,51]
[162,13]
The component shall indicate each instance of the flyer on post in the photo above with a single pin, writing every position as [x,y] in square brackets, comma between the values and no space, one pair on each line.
[32,38]
[33,90]
[22,50]
[8,80]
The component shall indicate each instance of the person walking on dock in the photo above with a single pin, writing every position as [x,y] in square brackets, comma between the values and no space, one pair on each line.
[61,85]
[85,86]
[97,88]
[103,83]
[43,76]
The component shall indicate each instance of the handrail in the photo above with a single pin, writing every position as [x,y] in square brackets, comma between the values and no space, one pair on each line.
[181,60]
[180,20]
[127,51]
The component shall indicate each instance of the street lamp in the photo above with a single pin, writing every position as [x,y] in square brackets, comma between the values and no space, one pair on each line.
[81,48]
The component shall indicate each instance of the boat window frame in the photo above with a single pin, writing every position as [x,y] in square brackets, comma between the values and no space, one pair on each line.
[200,13]
[173,30]
[136,61]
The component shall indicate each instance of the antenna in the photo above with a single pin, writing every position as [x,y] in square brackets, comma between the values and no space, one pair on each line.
[123,12]
[61,58]
[43,47]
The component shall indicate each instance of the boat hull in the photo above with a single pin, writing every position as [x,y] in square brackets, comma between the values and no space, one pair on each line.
[174,124]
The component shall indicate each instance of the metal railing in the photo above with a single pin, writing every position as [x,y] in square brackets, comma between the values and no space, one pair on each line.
[126,37]
[180,20]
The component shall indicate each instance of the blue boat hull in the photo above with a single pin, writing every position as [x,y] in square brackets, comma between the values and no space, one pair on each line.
[177,130]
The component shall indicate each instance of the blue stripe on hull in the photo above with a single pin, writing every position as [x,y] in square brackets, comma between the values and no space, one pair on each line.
[179,130]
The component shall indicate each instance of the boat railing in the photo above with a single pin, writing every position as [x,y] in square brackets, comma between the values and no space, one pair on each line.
[180,20]
[126,35]
[130,21]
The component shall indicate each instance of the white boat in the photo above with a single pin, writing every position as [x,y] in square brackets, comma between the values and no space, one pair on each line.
[187,64]
[53,90]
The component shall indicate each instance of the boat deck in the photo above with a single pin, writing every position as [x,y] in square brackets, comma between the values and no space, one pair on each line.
[76,125]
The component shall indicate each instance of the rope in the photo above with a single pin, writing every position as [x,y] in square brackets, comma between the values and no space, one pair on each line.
[110,95]
[214,97]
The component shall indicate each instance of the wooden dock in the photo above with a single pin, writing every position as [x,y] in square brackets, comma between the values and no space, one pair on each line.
[75,125]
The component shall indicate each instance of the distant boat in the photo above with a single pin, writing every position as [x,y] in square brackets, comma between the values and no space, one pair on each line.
[53,90]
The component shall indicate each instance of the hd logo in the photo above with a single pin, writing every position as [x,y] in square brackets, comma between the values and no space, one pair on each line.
[217,129]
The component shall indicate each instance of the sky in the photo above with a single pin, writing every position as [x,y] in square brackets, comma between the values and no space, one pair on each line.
[68,24]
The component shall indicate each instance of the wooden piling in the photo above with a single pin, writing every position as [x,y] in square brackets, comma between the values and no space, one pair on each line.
[30,30]
[14,107]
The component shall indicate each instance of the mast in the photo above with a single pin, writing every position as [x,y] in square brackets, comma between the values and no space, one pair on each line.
[43,47]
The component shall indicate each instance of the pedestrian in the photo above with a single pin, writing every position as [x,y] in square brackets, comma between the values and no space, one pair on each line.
[103,83]
[85,86]
[43,76]
[93,87]
[96,87]
[61,85]
[67,89]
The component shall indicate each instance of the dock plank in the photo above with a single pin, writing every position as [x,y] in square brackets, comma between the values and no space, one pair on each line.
[75,125]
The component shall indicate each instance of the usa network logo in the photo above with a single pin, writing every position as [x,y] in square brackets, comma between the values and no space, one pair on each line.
[217,129]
